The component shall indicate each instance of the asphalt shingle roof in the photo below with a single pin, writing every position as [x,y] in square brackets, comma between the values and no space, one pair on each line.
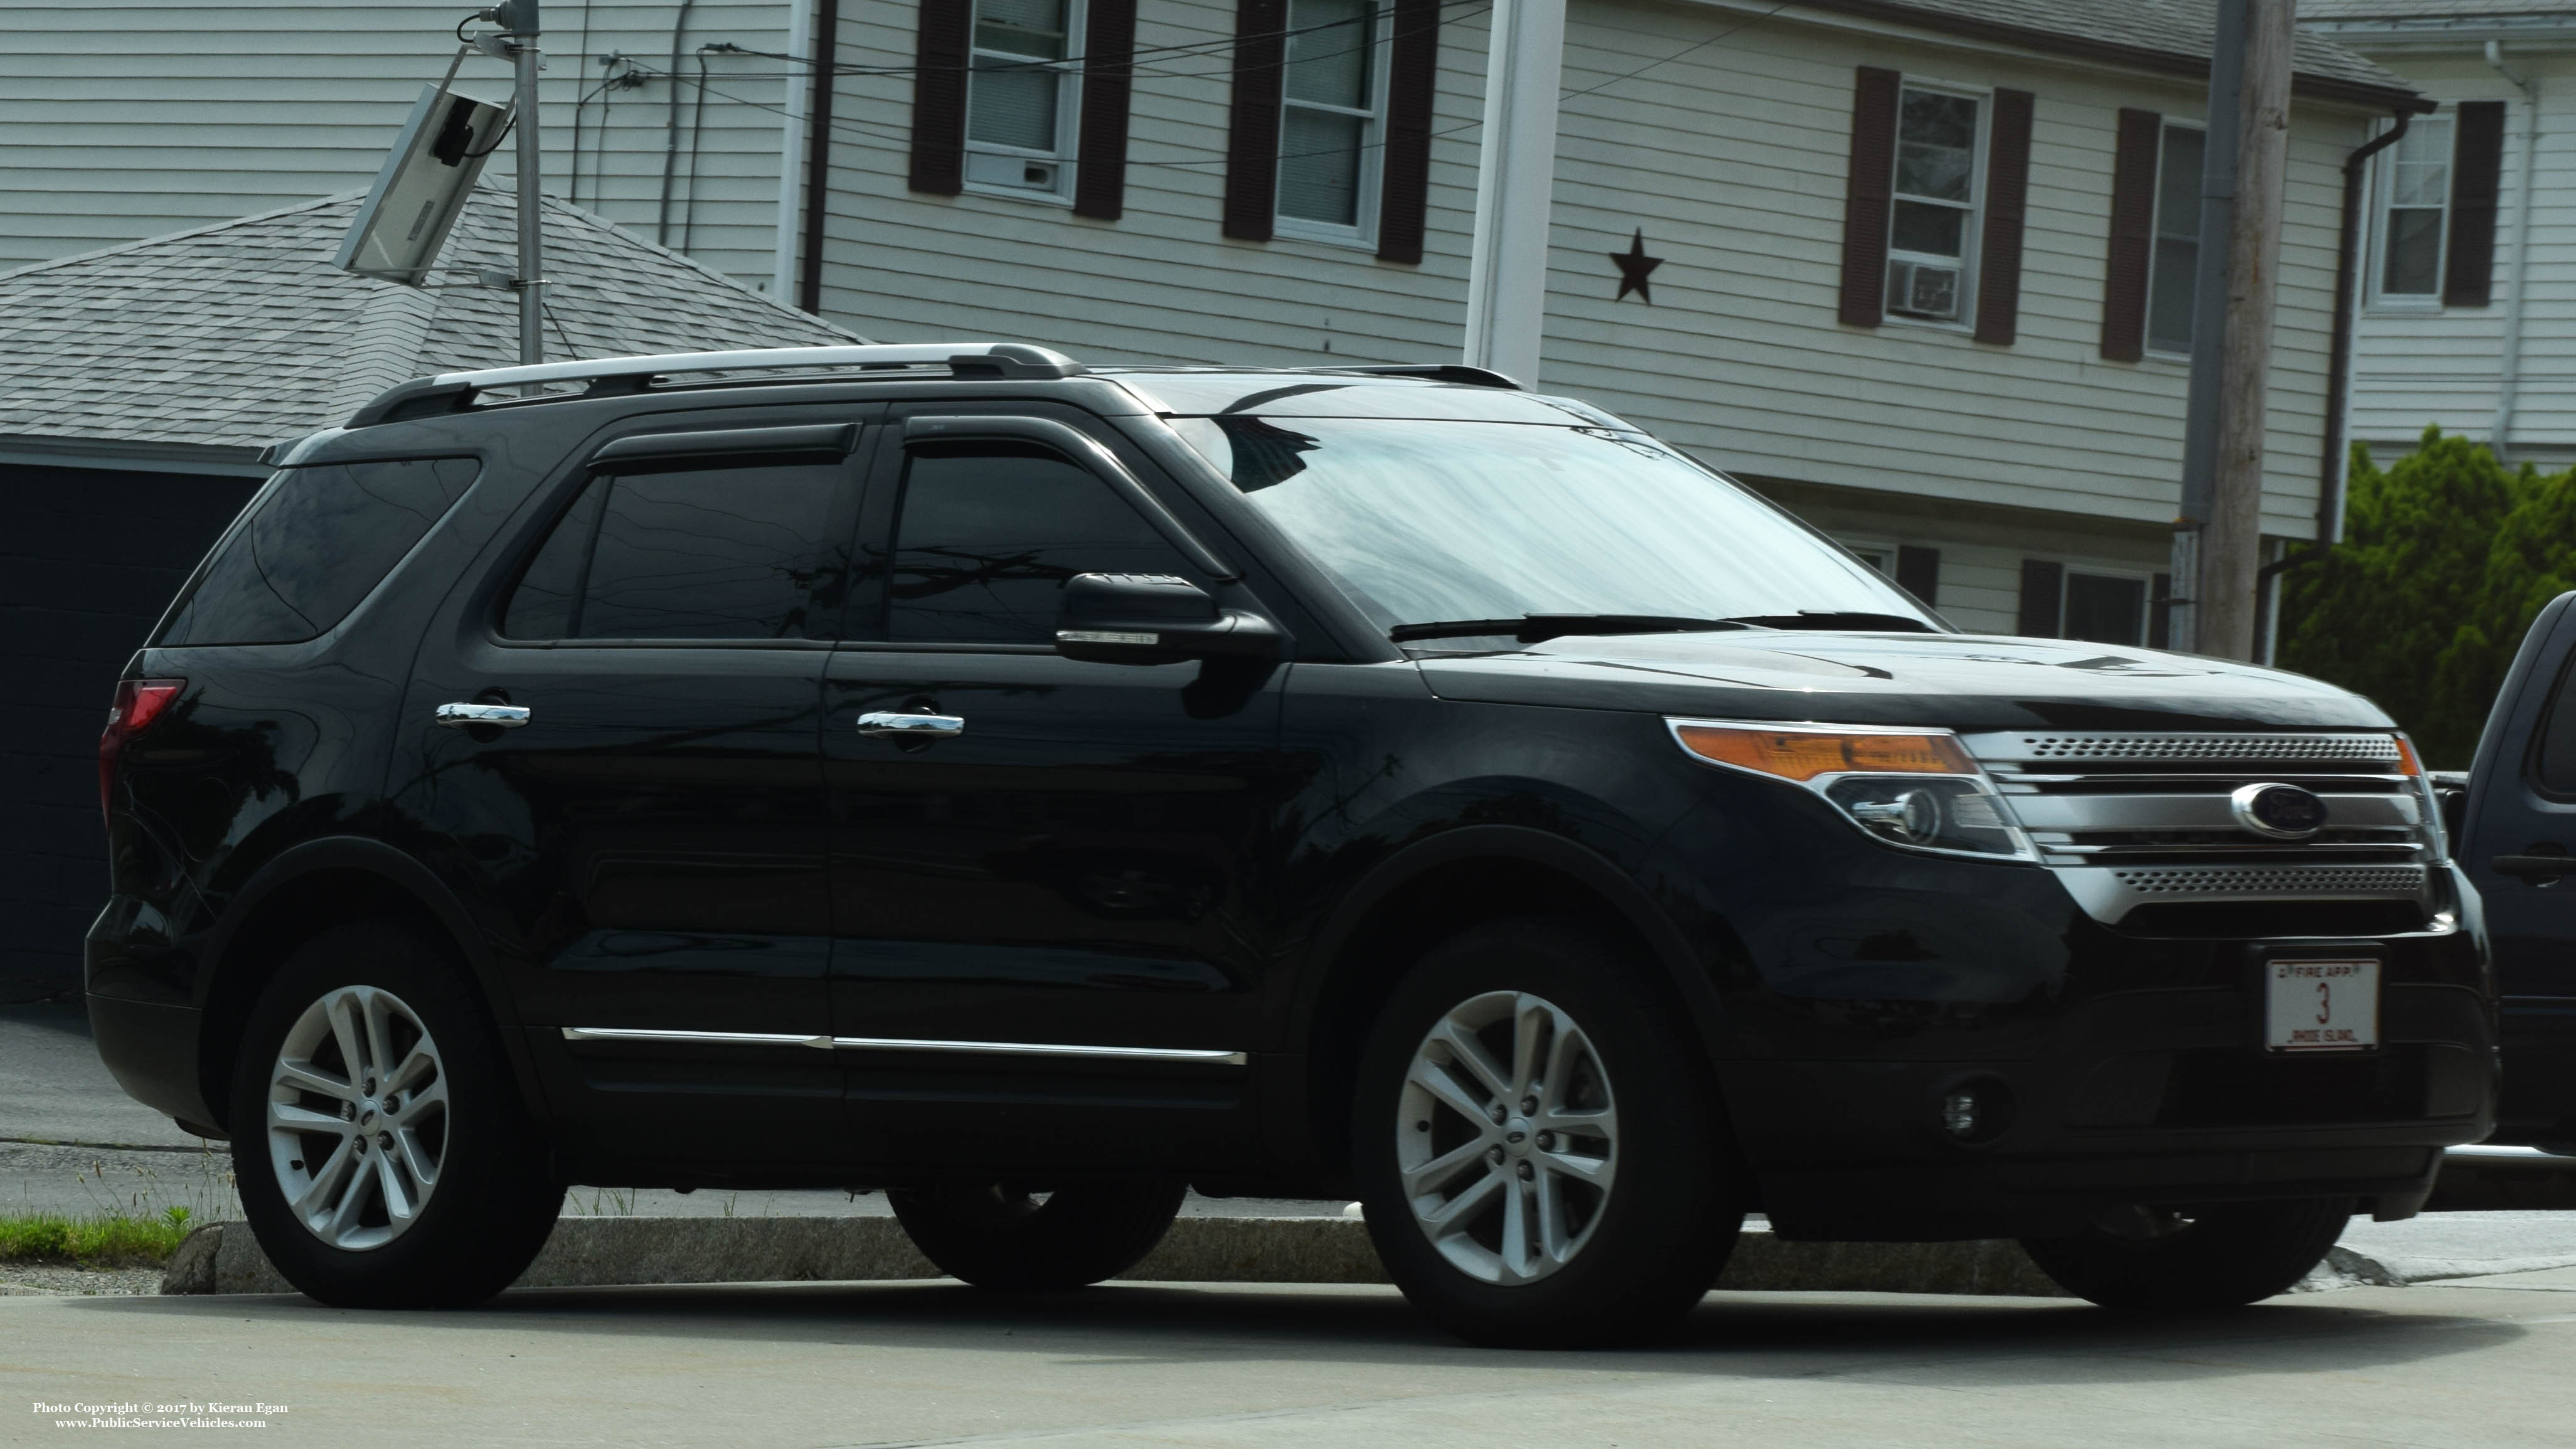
[244,333]
[2170,35]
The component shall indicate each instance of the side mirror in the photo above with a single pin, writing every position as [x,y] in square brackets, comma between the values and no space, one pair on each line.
[1156,619]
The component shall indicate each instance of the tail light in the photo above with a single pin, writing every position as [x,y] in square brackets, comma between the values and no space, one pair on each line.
[138,703]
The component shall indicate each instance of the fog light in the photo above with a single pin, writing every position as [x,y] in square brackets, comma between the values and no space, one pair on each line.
[1977,1111]
[1959,1114]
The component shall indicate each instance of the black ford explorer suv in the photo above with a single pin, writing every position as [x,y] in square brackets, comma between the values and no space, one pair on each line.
[1031,790]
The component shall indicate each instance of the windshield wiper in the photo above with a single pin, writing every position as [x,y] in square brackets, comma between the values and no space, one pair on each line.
[1834,619]
[1539,628]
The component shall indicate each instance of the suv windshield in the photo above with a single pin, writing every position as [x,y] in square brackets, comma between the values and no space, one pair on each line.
[1427,522]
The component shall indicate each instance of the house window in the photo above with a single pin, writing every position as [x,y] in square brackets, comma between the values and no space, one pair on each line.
[1333,107]
[2105,608]
[1020,97]
[2415,199]
[2174,266]
[1934,223]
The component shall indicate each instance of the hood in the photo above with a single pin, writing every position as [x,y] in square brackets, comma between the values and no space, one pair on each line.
[1962,681]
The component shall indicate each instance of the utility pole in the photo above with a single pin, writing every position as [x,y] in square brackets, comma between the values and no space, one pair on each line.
[2218,537]
[2208,322]
[518,20]
[1515,175]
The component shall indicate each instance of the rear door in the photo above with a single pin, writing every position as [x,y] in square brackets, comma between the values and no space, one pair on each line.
[635,784]
[2519,849]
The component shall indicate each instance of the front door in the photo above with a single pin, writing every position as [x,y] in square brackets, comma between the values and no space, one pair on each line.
[652,823]
[1048,945]
[2522,813]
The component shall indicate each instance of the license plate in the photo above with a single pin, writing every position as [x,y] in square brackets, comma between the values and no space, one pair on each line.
[2322,1006]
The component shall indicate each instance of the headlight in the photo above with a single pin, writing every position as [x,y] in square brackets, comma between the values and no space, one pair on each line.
[1916,788]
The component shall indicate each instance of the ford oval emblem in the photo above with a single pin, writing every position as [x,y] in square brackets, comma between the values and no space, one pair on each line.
[2283,812]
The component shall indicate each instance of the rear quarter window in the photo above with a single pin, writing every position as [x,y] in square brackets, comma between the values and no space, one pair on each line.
[312,544]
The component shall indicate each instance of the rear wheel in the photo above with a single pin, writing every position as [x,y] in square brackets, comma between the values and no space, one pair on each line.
[382,1153]
[1013,1239]
[1538,1145]
[2222,1256]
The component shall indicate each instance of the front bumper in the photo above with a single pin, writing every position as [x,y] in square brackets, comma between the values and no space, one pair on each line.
[2161,1096]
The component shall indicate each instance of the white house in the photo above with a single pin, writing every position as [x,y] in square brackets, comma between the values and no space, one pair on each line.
[2468,302]
[1914,267]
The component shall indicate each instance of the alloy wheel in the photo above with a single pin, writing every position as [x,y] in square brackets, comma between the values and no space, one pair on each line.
[1505,1137]
[357,1118]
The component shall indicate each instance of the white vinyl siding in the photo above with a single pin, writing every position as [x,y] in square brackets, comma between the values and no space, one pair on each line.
[125,119]
[2427,364]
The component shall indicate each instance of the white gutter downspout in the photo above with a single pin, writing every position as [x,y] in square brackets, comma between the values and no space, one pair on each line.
[2509,361]
[798,86]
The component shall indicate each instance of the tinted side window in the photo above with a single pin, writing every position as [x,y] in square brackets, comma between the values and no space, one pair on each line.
[716,553]
[987,536]
[311,545]
[2556,761]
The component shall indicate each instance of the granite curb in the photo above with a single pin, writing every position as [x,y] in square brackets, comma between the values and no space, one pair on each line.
[607,1252]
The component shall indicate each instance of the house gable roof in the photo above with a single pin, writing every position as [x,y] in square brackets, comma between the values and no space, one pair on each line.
[241,334]
[2172,36]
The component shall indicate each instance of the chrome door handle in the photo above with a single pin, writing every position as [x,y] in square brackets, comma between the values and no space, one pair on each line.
[886,724]
[498,716]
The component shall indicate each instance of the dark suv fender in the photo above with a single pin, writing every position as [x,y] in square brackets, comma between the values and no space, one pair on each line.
[365,877]
[1361,949]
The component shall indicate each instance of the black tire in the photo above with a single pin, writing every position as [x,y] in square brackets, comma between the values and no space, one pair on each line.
[2224,1256]
[1001,1237]
[1649,1247]
[489,1204]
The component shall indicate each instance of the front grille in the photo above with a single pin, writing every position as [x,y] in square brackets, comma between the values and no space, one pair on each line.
[2133,817]
[2276,881]
[2240,1089]
[2198,749]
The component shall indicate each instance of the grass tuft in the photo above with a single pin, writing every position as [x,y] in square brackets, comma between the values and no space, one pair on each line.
[100,1241]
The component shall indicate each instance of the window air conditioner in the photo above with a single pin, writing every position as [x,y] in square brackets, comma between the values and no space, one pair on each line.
[1923,289]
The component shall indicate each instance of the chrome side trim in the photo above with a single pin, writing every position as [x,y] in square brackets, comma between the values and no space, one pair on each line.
[703,1038]
[908,1044]
[1044,1049]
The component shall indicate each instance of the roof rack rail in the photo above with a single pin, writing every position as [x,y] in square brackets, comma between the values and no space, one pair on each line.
[454,391]
[1435,371]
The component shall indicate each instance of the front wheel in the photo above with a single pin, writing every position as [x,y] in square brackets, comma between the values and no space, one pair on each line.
[1538,1142]
[1009,1238]
[2223,1256]
[383,1156]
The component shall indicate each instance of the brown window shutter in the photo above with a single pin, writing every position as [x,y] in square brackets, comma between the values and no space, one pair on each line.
[1870,188]
[2133,227]
[1413,74]
[939,97]
[2007,204]
[2043,594]
[1108,76]
[2160,614]
[2477,175]
[1252,139]
[1918,572]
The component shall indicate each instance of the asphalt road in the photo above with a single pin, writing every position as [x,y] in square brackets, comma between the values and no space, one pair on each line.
[2482,1364]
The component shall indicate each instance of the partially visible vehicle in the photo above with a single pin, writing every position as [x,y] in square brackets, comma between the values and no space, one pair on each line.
[2514,828]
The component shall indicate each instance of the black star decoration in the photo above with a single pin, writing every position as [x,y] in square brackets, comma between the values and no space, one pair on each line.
[1634,268]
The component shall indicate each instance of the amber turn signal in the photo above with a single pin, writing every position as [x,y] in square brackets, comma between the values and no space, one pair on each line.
[1806,754]
[2407,764]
